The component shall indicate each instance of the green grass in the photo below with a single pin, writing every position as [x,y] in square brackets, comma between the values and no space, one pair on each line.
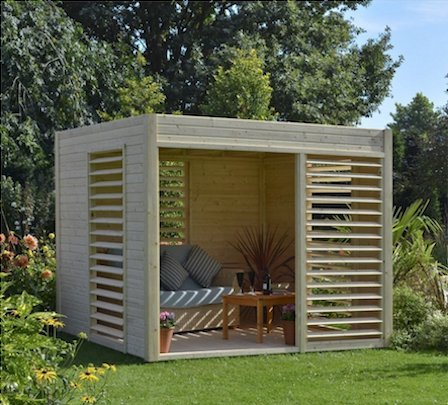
[351,377]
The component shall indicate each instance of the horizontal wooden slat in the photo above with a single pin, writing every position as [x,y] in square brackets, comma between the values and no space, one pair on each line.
[106,232]
[110,245]
[179,178]
[115,183]
[106,221]
[342,235]
[354,284]
[108,331]
[107,294]
[106,208]
[343,321]
[108,306]
[344,333]
[107,281]
[343,200]
[319,273]
[107,159]
[345,248]
[338,308]
[337,297]
[107,318]
[350,175]
[336,211]
[343,162]
[326,168]
[334,223]
[107,269]
[339,259]
[107,196]
[335,187]
[107,257]
[106,171]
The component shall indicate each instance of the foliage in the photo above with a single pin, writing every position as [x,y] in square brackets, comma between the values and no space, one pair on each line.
[31,265]
[420,167]
[317,72]
[413,260]
[410,309]
[432,334]
[241,91]
[289,312]
[264,250]
[167,320]
[52,78]
[33,359]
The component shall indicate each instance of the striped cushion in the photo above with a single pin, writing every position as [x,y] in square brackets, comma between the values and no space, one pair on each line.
[201,266]
[172,274]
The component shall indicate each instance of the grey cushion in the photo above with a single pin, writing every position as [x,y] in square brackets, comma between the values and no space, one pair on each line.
[202,267]
[172,274]
[189,284]
[179,252]
[193,298]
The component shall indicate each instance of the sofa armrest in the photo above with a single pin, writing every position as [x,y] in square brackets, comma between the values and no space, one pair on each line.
[227,277]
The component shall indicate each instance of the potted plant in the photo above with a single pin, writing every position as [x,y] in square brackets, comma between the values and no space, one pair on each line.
[167,324]
[289,324]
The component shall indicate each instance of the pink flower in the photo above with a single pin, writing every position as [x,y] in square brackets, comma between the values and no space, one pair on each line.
[30,242]
[21,261]
[2,238]
[12,239]
[46,274]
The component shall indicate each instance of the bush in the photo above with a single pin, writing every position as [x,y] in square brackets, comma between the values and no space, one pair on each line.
[34,362]
[410,309]
[31,264]
[432,334]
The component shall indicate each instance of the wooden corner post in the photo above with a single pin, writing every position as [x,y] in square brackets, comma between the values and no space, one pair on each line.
[151,266]
[300,252]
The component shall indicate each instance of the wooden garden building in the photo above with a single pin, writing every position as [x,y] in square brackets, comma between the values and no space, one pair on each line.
[127,189]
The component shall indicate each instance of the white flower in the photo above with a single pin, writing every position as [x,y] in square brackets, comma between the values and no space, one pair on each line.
[16,223]
[22,209]
[14,204]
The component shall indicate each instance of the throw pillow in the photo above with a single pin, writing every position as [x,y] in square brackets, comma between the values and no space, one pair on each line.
[201,266]
[172,274]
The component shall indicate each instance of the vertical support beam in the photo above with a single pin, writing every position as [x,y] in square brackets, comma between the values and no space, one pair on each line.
[152,265]
[300,252]
[262,193]
[58,223]
[387,208]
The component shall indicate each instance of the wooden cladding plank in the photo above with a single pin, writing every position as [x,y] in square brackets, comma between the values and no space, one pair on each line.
[337,297]
[107,294]
[108,306]
[343,200]
[344,175]
[108,159]
[337,187]
[342,235]
[107,257]
[338,211]
[345,162]
[338,259]
[343,321]
[107,208]
[334,223]
[338,309]
[106,220]
[342,248]
[114,320]
[109,245]
[106,196]
[108,183]
[106,232]
[106,171]
[363,284]
[107,269]
[322,273]
[344,333]
[108,331]
[107,281]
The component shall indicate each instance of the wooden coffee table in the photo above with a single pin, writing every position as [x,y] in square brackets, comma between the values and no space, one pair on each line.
[257,300]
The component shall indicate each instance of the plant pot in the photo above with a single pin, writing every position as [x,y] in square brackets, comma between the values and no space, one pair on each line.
[166,335]
[289,332]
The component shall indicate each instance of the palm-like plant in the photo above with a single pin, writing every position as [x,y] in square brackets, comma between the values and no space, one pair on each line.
[413,259]
[264,250]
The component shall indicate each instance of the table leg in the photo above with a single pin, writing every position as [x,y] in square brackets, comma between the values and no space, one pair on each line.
[225,319]
[270,313]
[259,322]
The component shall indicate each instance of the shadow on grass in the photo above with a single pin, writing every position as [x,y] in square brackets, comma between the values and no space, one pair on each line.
[91,353]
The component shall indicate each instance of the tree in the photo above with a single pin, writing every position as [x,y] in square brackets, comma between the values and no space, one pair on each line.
[241,91]
[420,147]
[53,78]
[317,72]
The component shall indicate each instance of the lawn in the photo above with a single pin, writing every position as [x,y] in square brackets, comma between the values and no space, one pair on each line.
[351,377]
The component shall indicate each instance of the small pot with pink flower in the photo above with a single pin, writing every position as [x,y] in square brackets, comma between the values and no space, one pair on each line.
[167,324]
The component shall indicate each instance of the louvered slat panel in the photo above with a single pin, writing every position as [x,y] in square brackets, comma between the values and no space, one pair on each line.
[106,171]
[116,333]
[343,321]
[336,211]
[337,297]
[107,294]
[107,281]
[347,162]
[107,257]
[110,245]
[108,318]
[343,273]
[344,333]
[107,196]
[107,208]
[106,232]
[107,221]
[114,183]
[336,309]
[365,284]
[107,269]
[107,305]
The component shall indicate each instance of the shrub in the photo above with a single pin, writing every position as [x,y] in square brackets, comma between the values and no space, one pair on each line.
[410,309]
[432,334]
[31,264]
[34,362]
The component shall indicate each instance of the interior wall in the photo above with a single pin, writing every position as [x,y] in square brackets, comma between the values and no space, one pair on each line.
[224,197]
[279,200]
